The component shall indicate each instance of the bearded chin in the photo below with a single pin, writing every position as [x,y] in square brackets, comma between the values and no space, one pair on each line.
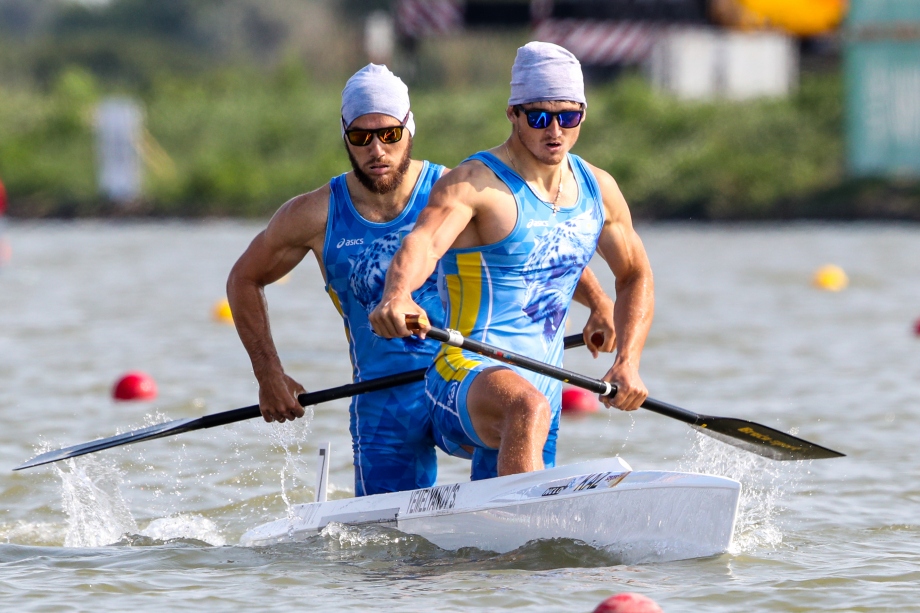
[382,185]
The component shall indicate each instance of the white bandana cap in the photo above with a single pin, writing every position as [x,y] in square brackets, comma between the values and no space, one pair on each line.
[374,89]
[544,71]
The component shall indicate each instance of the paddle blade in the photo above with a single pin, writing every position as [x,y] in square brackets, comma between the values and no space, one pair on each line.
[762,440]
[135,436]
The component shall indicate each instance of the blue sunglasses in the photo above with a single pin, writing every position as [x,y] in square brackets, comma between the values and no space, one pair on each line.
[540,119]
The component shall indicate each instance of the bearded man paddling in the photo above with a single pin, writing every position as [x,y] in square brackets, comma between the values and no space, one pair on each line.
[353,225]
[511,230]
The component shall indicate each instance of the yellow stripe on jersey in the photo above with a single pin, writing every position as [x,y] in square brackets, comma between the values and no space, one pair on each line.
[464,292]
[469,269]
[335,301]
[338,307]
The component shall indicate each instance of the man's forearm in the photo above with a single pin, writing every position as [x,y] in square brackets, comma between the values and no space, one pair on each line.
[590,293]
[250,316]
[632,316]
[411,266]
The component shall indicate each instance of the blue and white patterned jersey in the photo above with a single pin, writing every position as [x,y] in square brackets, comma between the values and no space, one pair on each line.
[391,430]
[515,294]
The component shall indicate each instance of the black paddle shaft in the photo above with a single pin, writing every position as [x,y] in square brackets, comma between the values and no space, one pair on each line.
[747,435]
[178,426]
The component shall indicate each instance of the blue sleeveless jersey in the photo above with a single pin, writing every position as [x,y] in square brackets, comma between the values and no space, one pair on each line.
[515,294]
[391,430]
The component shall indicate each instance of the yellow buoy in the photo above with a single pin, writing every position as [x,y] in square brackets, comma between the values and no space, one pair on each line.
[831,278]
[221,312]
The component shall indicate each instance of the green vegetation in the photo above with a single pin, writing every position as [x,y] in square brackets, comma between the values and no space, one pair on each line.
[242,96]
[717,160]
[241,143]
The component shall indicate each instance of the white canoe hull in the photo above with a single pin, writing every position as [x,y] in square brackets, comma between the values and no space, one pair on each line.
[646,516]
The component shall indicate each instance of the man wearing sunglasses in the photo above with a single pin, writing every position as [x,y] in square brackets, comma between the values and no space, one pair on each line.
[353,225]
[511,230]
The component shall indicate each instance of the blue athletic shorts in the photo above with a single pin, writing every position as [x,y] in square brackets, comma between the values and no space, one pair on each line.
[394,442]
[449,415]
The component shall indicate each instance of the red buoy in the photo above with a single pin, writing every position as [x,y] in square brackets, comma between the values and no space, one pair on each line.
[917,327]
[135,385]
[6,252]
[628,602]
[577,401]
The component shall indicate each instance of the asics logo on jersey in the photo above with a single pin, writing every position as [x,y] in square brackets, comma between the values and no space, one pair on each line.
[537,223]
[348,242]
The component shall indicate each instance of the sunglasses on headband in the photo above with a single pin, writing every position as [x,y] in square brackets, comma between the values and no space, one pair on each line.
[387,136]
[540,119]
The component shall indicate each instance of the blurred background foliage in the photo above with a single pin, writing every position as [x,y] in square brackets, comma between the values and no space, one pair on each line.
[242,105]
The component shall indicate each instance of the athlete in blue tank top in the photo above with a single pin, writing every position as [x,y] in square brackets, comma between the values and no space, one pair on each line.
[353,225]
[514,227]
[392,438]
[514,294]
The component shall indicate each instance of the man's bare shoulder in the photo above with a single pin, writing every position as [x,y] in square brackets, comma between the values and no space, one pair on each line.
[614,201]
[302,219]
[472,176]
[604,179]
[464,172]
[309,205]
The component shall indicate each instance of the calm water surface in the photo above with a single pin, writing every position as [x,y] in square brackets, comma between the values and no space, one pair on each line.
[739,331]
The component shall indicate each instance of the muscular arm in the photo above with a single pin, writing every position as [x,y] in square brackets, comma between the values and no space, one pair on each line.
[446,215]
[600,322]
[297,227]
[623,251]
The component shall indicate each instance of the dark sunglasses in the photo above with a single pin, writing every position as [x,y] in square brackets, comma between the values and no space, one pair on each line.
[363,138]
[387,136]
[540,119]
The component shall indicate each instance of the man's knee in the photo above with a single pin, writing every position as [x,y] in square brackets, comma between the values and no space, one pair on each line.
[502,403]
[530,411]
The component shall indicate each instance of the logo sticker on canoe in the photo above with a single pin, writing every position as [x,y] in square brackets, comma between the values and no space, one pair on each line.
[589,482]
[552,491]
[586,482]
[433,499]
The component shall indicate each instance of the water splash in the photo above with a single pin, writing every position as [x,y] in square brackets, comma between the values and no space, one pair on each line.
[33,533]
[290,437]
[97,513]
[629,431]
[192,527]
[150,419]
[613,436]
[763,484]
[344,536]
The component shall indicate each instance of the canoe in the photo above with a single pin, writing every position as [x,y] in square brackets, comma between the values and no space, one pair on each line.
[642,516]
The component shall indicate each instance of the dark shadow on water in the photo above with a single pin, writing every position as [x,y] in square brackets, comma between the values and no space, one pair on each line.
[374,553]
[389,553]
[139,540]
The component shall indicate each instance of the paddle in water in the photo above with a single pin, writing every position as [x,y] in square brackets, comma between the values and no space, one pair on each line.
[178,426]
[750,436]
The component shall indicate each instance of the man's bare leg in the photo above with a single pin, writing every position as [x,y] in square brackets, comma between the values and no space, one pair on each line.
[508,412]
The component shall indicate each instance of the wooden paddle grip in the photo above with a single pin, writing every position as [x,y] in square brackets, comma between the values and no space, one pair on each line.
[414,321]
